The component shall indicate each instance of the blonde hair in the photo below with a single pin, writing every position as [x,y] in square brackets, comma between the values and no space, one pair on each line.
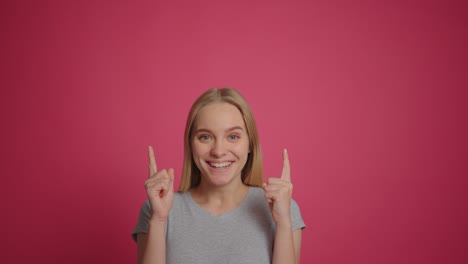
[252,172]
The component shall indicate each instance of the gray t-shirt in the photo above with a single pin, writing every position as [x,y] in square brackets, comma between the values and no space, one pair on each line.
[243,235]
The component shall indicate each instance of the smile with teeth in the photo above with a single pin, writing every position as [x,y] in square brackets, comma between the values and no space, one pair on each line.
[220,164]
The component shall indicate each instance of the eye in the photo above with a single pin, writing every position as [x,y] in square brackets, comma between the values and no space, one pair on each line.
[204,138]
[233,137]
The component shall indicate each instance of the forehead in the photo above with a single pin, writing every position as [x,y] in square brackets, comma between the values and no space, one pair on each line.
[219,116]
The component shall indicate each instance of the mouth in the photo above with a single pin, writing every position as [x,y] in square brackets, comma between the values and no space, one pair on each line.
[219,165]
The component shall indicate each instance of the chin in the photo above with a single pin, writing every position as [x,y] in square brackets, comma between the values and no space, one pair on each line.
[220,180]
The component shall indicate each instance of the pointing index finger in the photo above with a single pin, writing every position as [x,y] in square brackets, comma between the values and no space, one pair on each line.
[152,161]
[286,173]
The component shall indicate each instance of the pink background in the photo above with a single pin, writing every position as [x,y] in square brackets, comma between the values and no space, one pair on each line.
[368,96]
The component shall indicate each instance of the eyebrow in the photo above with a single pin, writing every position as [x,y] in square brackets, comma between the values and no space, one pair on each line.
[227,130]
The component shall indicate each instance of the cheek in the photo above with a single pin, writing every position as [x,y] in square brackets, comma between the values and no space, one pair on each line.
[199,150]
[196,157]
[243,149]
[194,152]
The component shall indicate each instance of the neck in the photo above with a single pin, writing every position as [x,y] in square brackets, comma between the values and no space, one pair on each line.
[218,200]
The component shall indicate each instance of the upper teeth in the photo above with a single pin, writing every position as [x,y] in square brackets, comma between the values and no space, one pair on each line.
[220,165]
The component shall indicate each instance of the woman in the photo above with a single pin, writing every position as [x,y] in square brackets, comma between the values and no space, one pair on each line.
[223,212]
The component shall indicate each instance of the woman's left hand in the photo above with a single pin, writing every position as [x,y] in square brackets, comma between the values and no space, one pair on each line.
[278,192]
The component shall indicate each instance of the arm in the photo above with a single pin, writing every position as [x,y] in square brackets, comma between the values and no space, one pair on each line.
[278,191]
[297,237]
[160,191]
[283,250]
[155,240]
[287,247]
[141,246]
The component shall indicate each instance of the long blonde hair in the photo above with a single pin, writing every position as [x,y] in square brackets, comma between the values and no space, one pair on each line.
[252,173]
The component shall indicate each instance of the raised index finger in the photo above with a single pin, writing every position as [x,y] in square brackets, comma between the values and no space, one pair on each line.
[152,161]
[286,173]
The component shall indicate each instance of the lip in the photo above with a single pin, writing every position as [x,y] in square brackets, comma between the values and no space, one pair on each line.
[209,162]
[218,161]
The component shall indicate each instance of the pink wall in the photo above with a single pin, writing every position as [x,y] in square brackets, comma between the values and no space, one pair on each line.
[370,99]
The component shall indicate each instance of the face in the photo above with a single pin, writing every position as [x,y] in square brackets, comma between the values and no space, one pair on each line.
[220,144]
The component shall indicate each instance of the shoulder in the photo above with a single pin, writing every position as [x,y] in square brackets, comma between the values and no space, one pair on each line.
[182,202]
[256,196]
[179,197]
[145,208]
[294,205]
[256,191]
[256,201]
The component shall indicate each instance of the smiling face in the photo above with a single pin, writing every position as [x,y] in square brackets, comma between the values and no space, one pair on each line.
[220,144]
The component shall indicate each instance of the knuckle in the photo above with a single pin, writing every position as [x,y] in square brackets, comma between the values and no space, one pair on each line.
[147,183]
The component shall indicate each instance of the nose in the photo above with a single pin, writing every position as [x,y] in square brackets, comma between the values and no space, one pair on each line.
[218,149]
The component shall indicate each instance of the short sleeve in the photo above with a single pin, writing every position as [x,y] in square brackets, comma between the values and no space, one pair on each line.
[296,217]
[143,220]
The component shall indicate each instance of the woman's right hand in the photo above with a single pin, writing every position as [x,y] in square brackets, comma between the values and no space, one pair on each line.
[159,188]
